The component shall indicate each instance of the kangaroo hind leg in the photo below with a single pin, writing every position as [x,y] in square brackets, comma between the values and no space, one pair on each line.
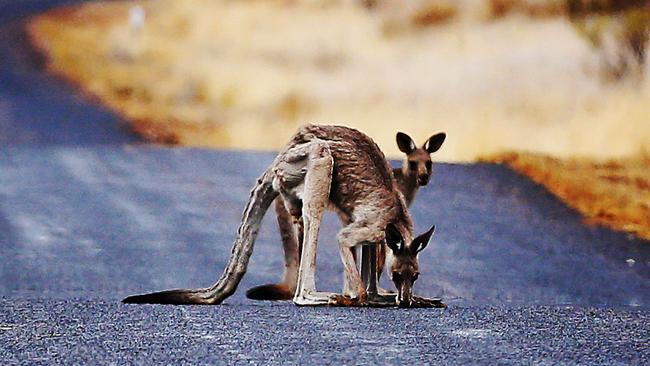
[314,193]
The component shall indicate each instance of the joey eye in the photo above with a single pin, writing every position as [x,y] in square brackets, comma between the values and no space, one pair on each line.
[397,276]
[428,164]
[415,276]
[413,165]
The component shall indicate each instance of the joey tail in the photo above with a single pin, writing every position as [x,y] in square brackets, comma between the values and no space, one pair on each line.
[272,292]
[262,195]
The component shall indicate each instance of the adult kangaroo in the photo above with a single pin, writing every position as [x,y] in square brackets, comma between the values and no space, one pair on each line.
[415,172]
[323,166]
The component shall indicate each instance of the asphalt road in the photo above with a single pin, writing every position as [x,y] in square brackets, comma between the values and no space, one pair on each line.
[89,215]
[89,332]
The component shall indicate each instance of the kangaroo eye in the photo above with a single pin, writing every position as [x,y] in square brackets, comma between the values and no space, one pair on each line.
[413,165]
[428,164]
[415,276]
[397,276]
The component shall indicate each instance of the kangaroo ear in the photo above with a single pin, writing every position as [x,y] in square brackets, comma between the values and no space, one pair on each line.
[394,238]
[434,142]
[405,143]
[421,242]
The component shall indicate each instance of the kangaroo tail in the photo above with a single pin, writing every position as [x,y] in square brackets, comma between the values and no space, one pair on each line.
[171,297]
[261,198]
[273,292]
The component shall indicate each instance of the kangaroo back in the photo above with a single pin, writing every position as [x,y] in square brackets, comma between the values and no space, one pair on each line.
[261,197]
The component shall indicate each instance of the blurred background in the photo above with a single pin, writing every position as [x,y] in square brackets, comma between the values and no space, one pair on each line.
[557,89]
[562,77]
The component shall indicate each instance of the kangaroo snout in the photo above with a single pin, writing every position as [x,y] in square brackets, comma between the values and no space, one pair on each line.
[404,299]
[423,179]
[404,303]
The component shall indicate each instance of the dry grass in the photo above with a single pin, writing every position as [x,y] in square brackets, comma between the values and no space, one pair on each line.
[246,74]
[434,13]
[533,8]
[613,193]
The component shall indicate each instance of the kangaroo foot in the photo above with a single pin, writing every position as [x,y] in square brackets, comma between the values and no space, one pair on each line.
[313,298]
[271,292]
[423,302]
[383,291]
[381,300]
[372,300]
[346,301]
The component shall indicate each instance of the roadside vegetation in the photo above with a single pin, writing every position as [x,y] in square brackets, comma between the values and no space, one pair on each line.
[612,193]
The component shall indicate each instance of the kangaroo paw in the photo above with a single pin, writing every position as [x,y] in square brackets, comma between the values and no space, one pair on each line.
[271,292]
[342,300]
[346,301]
[382,300]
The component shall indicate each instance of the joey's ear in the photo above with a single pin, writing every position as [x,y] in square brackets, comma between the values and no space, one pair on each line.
[394,238]
[405,143]
[434,142]
[421,241]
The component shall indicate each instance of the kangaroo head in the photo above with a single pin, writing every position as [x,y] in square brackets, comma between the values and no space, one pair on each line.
[404,269]
[418,159]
